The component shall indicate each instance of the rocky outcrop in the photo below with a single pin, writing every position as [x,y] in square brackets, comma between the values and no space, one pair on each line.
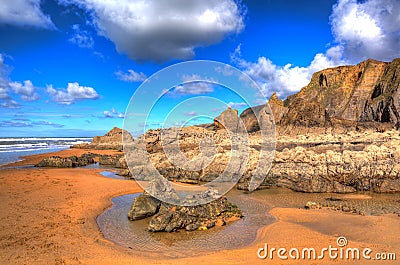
[168,218]
[249,118]
[354,161]
[384,102]
[277,107]
[335,135]
[112,160]
[342,164]
[143,206]
[111,140]
[344,97]
[66,162]
[229,120]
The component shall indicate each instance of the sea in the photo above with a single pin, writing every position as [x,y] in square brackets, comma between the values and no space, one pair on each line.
[12,149]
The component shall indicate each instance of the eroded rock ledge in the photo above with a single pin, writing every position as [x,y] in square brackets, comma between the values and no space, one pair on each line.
[169,218]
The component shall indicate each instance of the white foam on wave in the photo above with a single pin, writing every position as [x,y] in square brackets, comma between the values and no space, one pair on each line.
[45,139]
[54,147]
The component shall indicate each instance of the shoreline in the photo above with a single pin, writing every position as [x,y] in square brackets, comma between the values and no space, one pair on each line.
[49,217]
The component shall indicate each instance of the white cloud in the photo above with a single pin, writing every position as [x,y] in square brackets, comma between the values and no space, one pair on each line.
[25,90]
[107,114]
[47,123]
[190,113]
[82,38]
[194,84]
[3,79]
[27,123]
[13,123]
[362,30]
[5,99]
[162,30]
[113,114]
[73,93]
[367,29]
[287,79]
[10,104]
[238,105]
[131,76]
[24,13]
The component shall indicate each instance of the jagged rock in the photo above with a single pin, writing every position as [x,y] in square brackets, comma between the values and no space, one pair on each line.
[228,120]
[167,217]
[171,218]
[384,102]
[342,98]
[56,161]
[249,118]
[67,162]
[143,206]
[277,107]
[110,160]
[121,163]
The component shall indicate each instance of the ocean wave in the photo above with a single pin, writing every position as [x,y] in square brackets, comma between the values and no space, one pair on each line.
[22,139]
[54,147]
[8,145]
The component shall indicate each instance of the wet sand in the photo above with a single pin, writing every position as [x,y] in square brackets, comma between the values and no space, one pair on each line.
[48,216]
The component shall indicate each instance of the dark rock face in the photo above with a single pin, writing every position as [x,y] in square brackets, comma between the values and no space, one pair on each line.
[168,218]
[56,161]
[305,113]
[67,162]
[110,160]
[384,102]
[343,97]
[249,118]
[143,206]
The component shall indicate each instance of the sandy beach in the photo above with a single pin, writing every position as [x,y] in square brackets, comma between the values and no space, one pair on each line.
[49,216]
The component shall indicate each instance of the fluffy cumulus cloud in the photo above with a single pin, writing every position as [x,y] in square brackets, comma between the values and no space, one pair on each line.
[72,93]
[162,30]
[286,79]
[81,37]
[24,13]
[26,90]
[367,29]
[362,30]
[113,114]
[131,76]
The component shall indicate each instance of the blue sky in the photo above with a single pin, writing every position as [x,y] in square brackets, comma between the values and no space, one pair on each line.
[70,67]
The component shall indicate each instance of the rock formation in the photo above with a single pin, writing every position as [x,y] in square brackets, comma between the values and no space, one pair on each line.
[228,120]
[168,218]
[354,161]
[66,162]
[344,96]
[349,143]
[111,140]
